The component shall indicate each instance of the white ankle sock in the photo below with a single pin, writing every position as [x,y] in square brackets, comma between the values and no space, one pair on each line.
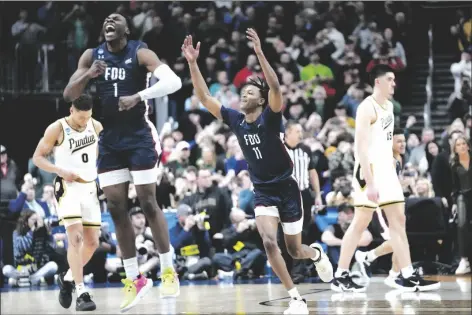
[294,294]
[80,288]
[340,271]
[392,273]
[407,271]
[166,260]
[131,268]
[371,256]
[68,276]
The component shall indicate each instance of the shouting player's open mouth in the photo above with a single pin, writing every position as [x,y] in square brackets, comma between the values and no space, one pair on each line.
[110,29]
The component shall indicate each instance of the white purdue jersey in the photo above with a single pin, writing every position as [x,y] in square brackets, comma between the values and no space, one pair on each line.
[77,152]
[381,133]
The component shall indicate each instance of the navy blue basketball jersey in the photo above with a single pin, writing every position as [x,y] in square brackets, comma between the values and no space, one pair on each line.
[262,144]
[123,77]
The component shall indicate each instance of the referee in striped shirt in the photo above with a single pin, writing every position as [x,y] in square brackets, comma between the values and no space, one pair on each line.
[303,167]
[305,173]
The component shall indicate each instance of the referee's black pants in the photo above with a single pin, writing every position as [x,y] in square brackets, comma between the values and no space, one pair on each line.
[310,233]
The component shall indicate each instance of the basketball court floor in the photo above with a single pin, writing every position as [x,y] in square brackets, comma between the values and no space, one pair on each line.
[265,296]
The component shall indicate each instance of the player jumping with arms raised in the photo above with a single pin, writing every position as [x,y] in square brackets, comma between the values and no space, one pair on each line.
[129,147]
[260,133]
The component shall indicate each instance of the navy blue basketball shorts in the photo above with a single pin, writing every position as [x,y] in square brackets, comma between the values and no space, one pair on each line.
[128,157]
[282,200]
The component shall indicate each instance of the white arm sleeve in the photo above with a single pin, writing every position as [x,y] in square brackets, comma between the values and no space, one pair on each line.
[168,83]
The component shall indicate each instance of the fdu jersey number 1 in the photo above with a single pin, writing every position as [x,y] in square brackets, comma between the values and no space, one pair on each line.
[123,77]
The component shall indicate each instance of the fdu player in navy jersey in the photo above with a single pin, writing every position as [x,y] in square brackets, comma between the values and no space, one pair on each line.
[129,147]
[260,131]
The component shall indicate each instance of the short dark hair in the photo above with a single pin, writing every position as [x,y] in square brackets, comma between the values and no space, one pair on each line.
[263,89]
[83,103]
[378,71]
[290,124]
[398,131]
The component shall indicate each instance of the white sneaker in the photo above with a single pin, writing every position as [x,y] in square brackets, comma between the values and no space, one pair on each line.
[361,259]
[390,280]
[464,267]
[323,265]
[298,307]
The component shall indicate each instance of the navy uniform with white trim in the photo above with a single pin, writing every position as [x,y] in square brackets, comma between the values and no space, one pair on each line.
[270,166]
[129,146]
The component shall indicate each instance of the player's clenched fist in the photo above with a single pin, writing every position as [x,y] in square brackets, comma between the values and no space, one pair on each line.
[98,68]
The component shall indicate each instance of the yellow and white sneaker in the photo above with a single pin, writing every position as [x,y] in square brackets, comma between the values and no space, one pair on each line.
[134,291]
[170,285]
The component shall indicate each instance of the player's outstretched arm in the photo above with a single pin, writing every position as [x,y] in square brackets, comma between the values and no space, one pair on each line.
[275,95]
[52,135]
[199,84]
[364,118]
[86,71]
[168,83]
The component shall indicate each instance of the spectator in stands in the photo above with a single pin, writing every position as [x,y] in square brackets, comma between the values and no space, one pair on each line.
[432,151]
[27,35]
[336,38]
[78,23]
[419,153]
[168,145]
[333,234]
[8,176]
[143,21]
[385,55]
[148,258]
[165,189]
[441,172]
[191,242]
[27,200]
[42,177]
[394,44]
[316,73]
[179,159]
[212,200]
[30,244]
[210,161]
[96,264]
[210,29]
[49,198]
[461,158]
[246,194]
[462,30]
[155,36]
[243,244]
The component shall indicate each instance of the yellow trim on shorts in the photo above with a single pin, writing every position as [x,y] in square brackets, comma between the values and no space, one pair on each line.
[72,217]
[388,203]
[91,225]
[366,206]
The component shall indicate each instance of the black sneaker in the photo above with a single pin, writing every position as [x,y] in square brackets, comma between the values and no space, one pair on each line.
[65,291]
[416,283]
[84,303]
[345,284]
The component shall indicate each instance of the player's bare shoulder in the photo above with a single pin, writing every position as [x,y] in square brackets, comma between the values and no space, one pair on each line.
[55,133]
[97,126]
[366,111]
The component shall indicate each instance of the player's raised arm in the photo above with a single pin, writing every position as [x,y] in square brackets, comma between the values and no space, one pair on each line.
[364,118]
[199,84]
[275,95]
[86,71]
[52,135]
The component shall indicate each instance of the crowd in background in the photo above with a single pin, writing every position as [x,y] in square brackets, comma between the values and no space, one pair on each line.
[322,53]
